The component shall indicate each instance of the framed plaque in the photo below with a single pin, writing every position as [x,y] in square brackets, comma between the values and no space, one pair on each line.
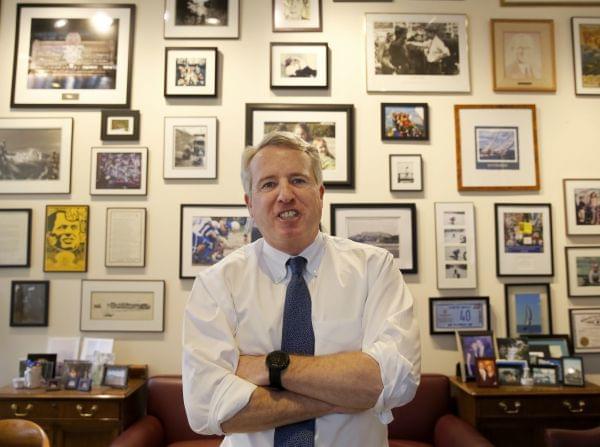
[447,315]
[585,331]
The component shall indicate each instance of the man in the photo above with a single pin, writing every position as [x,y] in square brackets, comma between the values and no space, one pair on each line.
[521,66]
[65,249]
[247,307]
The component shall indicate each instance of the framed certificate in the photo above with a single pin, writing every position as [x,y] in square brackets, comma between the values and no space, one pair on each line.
[447,315]
[585,331]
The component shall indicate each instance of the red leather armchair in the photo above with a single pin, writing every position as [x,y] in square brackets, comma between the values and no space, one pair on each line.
[558,437]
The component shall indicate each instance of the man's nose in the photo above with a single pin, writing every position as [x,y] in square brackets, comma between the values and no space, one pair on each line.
[286,193]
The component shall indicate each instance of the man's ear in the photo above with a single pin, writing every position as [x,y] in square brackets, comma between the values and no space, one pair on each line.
[321,191]
[248,201]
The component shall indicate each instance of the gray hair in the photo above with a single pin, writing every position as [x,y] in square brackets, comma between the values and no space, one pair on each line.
[284,140]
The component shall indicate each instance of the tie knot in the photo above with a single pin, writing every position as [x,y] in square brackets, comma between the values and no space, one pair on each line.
[297,265]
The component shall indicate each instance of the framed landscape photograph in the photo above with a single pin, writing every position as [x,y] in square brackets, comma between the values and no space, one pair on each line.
[586,54]
[186,19]
[296,15]
[583,271]
[115,376]
[447,315]
[329,127]
[573,374]
[404,121]
[417,53]
[496,147]
[528,309]
[406,172]
[29,303]
[299,65]
[15,237]
[471,346]
[66,238]
[455,245]
[73,55]
[523,55]
[120,125]
[585,330]
[36,155]
[122,306]
[524,239]
[191,72]
[544,375]
[125,237]
[582,206]
[119,171]
[208,233]
[392,227]
[190,148]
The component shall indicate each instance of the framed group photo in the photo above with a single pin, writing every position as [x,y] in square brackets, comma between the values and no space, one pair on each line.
[523,55]
[120,125]
[36,154]
[585,331]
[528,309]
[119,171]
[392,227]
[404,122]
[125,237]
[406,172]
[524,239]
[299,65]
[583,271]
[447,315]
[201,19]
[297,15]
[582,206]
[417,53]
[66,238]
[29,303]
[586,54]
[328,127]
[496,147]
[191,72]
[15,237]
[73,55]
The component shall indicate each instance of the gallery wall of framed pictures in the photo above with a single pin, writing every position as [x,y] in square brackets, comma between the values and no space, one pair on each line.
[425,118]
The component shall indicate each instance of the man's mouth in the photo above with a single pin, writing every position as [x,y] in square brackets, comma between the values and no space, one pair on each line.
[288,214]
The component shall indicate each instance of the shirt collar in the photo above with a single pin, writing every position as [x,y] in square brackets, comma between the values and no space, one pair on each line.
[276,259]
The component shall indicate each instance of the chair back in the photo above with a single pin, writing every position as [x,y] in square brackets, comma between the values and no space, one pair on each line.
[557,437]
[22,433]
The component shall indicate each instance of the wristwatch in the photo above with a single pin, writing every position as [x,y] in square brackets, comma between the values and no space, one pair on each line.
[277,361]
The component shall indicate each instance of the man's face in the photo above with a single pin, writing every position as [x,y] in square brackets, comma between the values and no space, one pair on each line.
[66,232]
[286,201]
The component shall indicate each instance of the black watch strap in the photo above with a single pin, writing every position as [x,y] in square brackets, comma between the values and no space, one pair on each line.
[277,362]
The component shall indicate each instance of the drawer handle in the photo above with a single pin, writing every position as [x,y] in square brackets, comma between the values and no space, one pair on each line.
[569,406]
[91,413]
[15,410]
[515,410]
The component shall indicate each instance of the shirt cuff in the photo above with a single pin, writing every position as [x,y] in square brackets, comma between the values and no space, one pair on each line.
[230,396]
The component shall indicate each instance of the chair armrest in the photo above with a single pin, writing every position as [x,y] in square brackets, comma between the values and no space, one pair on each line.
[451,431]
[146,432]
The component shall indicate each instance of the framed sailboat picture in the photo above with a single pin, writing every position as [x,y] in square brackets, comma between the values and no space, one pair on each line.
[528,309]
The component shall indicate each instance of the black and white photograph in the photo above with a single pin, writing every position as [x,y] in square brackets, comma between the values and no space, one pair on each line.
[15,237]
[296,15]
[120,125]
[29,303]
[200,19]
[190,148]
[299,65]
[456,271]
[455,236]
[115,376]
[452,218]
[191,72]
[406,172]
[119,171]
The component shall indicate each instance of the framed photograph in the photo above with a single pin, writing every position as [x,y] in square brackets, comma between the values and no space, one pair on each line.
[329,127]
[84,385]
[115,376]
[406,172]
[573,373]
[191,72]
[544,375]
[474,345]
[550,2]
[73,370]
[299,65]
[447,315]
[528,309]
[120,125]
[36,155]
[186,19]
[512,349]
[29,303]
[496,147]
[15,237]
[47,361]
[296,15]
[122,306]
[404,121]
[190,148]
[119,171]
[582,206]
[417,53]
[73,55]
[509,373]
[125,237]
[455,245]
[486,373]
[53,385]
[66,238]
[585,330]
[208,233]
[392,227]
[548,346]
[586,54]
[583,271]
[523,55]
[524,239]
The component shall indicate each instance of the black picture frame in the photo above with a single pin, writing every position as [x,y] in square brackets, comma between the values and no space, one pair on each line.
[392,130]
[451,305]
[115,376]
[410,179]
[573,371]
[292,115]
[200,85]
[583,270]
[513,313]
[548,379]
[114,131]
[510,373]
[549,344]
[406,258]
[20,221]
[306,77]
[38,296]
[280,27]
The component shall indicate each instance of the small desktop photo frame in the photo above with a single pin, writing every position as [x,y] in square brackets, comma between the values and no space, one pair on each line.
[546,375]
[486,373]
[510,372]
[473,345]
[447,315]
[573,373]
[115,376]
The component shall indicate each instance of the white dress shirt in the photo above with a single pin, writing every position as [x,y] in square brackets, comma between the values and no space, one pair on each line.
[359,303]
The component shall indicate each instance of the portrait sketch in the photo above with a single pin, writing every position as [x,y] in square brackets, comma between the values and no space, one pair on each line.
[31,154]
[213,238]
[497,147]
[522,55]
[66,238]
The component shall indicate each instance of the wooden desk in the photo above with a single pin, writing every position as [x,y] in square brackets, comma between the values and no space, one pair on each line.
[77,418]
[516,416]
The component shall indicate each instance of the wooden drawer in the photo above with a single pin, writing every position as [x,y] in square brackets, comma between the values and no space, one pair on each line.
[89,409]
[542,406]
[30,409]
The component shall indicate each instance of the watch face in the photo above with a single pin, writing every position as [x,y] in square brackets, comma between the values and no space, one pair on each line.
[278,359]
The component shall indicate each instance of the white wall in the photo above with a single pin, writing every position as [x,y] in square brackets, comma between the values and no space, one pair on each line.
[568,133]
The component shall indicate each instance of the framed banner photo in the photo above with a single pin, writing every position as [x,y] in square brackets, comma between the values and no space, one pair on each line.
[523,55]
[191,72]
[328,127]
[66,239]
[583,271]
[404,122]
[119,171]
[15,238]
[585,331]
[125,237]
[496,147]
[392,227]
[586,54]
[447,315]
[29,303]
[582,206]
[524,239]
[299,65]
[528,309]
[186,19]
[73,55]
[296,15]
[120,125]
[406,172]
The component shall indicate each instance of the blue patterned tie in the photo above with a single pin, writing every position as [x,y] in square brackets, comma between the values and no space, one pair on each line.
[297,338]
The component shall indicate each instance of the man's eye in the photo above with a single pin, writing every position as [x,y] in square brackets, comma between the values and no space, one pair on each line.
[267,185]
[299,181]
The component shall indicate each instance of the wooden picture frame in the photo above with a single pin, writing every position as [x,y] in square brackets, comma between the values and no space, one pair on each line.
[528,309]
[585,33]
[297,16]
[15,238]
[584,331]
[583,271]
[406,172]
[66,238]
[120,125]
[125,242]
[299,65]
[29,303]
[119,171]
[470,313]
[191,72]
[218,20]
[404,121]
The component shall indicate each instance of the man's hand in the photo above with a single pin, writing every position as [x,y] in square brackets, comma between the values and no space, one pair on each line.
[253,369]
